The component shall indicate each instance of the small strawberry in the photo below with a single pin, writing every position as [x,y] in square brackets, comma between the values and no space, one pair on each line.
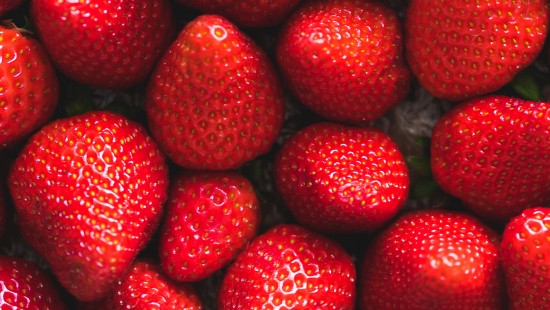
[462,49]
[343,59]
[433,259]
[23,285]
[8,5]
[109,44]
[89,191]
[493,153]
[289,267]
[246,13]
[338,178]
[214,101]
[525,256]
[210,217]
[28,86]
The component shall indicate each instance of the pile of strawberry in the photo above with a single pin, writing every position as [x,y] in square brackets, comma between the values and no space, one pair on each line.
[225,154]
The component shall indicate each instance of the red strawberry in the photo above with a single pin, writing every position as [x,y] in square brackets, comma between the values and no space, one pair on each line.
[28,86]
[210,217]
[493,153]
[337,178]
[8,5]
[343,59]
[433,259]
[110,44]
[214,101]
[289,267]
[246,13]
[88,192]
[25,286]
[146,287]
[525,256]
[462,49]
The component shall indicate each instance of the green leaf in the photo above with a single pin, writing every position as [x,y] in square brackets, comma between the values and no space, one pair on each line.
[526,85]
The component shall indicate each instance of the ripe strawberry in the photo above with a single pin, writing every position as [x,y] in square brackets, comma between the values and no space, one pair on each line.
[459,50]
[433,259]
[246,13]
[525,256]
[25,286]
[337,178]
[8,5]
[109,44]
[88,192]
[289,267]
[210,218]
[343,59]
[214,101]
[493,153]
[146,287]
[28,86]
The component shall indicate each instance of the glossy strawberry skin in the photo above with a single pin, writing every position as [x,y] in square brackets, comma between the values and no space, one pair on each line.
[107,44]
[463,49]
[493,153]
[341,179]
[214,101]
[525,256]
[210,218]
[343,59]
[88,193]
[28,86]
[8,5]
[433,259]
[293,267]
[23,285]
[246,13]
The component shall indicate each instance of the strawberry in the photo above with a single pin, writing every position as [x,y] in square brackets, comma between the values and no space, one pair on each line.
[246,13]
[460,50]
[525,256]
[210,217]
[214,101]
[25,286]
[289,267]
[146,287]
[88,192]
[109,44]
[493,153]
[28,86]
[8,5]
[343,59]
[432,259]
[338,178]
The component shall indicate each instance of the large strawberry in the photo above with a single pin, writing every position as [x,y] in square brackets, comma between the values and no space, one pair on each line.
[210,217]
[88,192]
[343,58]
[289,267]
[493,153]
[8,5]
[246,13]
[525,256]
[338,178]
[214,101]
[433,259]
[23,285]
[28,86]
[462,49]
[110,44]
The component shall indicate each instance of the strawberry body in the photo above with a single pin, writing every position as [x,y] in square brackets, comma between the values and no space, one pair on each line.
[525,256]
[109,44]
[493,153]
[290,267]
[214,101]
[460,50]
[28,86]
[433,259]
[88,192]
[210,217]
[343,59]
[8,5]
[338,178]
